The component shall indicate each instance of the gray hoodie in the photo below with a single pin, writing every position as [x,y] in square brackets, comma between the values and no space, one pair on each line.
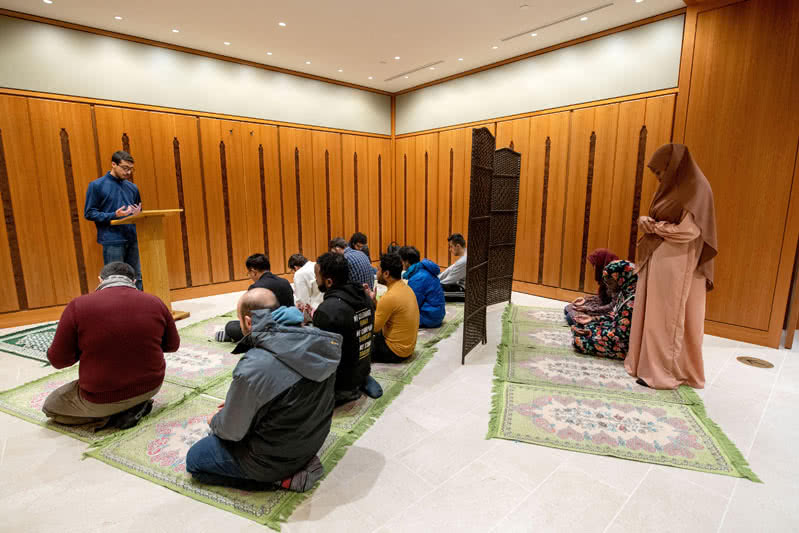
[279,407]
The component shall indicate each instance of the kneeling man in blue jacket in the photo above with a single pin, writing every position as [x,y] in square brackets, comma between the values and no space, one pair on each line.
[422,276]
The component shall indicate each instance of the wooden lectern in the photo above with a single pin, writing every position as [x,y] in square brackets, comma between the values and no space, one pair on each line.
[152,253]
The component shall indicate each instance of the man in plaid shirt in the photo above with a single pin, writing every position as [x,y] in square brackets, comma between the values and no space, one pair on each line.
[361,271]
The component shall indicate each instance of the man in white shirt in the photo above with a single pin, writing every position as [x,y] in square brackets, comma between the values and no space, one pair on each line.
[306,291]
[453,279]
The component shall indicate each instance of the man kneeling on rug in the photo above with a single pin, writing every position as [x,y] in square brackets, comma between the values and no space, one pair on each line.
[119,334]
[279,407]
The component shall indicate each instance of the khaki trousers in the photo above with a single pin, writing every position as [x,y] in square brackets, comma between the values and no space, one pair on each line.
[66,406]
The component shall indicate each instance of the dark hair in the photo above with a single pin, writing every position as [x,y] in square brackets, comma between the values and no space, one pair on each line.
[297,260]
[391,263]
[338,242]
[457,238]
[393,247]
[410,254]
[365,249]
[334,266]
[258,262]
[118,268]
[121,155]
[357,238]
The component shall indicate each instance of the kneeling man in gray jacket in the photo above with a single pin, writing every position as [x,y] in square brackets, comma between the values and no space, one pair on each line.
[279,408]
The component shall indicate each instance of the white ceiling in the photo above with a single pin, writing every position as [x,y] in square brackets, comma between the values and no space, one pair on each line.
[360,37]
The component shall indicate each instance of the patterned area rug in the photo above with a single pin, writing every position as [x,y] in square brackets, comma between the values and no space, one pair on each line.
[547,394]
[30,342]
[26,402]
[157,451]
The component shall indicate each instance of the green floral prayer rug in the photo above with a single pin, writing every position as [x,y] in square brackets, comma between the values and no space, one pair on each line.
[547,394]
[156,450]
[30,342]
[26,402]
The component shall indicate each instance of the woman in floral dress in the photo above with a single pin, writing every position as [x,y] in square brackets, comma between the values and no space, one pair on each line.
[609,335]
[601,303]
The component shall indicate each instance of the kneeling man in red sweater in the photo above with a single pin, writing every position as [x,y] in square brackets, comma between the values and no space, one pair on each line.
[119,334]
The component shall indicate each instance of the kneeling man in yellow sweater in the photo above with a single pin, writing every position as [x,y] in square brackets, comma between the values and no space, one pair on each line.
[397,314]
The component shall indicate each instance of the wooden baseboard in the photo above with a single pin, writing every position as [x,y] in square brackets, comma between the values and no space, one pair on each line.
[738,333]
[544,291]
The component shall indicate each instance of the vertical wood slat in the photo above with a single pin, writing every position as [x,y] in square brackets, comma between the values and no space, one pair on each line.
[226,206]
[184,232]
[296,162]
[210,139]
[327,189]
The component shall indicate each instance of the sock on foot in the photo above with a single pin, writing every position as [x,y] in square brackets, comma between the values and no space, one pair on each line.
[306,478]
[221,336]
[372,388]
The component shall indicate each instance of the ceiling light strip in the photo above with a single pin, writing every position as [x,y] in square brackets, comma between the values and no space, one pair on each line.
[570,17]
[414,70]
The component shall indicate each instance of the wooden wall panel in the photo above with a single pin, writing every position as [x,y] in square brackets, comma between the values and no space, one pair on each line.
[658,120]
[162,131]
[296,168]
[515,134]
[426,197]
[327,189]
[186,129]
[77,121]
[26,198]
[551,133]
[405,178]
[354,155]
[742,52]
[268,138]
[244,215]
[454,173]
[592,149]
[381,209]
[9,300]
[210,139]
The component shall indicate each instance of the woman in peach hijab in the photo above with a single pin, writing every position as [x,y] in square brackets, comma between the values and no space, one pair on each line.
[675,261]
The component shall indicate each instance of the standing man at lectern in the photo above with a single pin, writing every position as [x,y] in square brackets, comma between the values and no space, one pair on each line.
[111,197]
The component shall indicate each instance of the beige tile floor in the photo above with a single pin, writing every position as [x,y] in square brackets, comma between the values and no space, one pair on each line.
[425,465]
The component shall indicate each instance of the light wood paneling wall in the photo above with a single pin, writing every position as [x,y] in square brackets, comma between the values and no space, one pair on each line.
[245,187]
[746,144]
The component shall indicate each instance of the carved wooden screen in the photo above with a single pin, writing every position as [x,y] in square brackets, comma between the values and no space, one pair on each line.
[474,324]
[504,211]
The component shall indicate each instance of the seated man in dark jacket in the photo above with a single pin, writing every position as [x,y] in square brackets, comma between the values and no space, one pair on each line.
[119,334]
[258,270]
[422,277]
[348,311]
[279,408]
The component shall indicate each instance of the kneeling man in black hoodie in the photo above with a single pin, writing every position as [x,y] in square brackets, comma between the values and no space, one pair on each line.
[348,311]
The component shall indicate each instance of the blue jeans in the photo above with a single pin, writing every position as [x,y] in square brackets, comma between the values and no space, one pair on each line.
[209,462]
[127,253]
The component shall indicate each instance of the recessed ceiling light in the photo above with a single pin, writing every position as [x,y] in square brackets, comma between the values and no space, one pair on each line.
[432,68]
[406,77]
[118,17]
[281,24]
[341,70]
[227,43]
[371,77]
[533,35]
[494,47]
[460,59]
[175,30]
[396,57]
[583,19]
[269,53]
[638,1]
[307,62]
[47,1]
